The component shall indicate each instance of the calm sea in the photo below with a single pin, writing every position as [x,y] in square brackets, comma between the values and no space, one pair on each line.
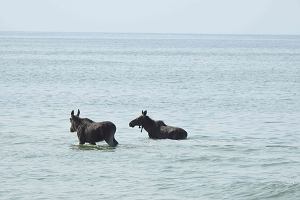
[237,96]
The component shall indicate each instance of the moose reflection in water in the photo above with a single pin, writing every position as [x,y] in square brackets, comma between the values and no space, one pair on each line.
[158,129]
[92,132]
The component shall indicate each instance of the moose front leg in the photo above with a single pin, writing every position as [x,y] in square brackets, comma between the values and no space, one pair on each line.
[81,137]
[81,142]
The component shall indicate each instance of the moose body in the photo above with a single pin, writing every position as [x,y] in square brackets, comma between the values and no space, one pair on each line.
[158,129]
[91,132]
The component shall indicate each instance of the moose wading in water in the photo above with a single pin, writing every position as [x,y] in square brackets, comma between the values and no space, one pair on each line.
[92,132]
[158,129]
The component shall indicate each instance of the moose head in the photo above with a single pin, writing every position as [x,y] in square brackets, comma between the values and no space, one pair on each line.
[139,121]
[75,121]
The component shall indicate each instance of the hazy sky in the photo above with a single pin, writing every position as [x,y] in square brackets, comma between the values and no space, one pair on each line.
[152,16]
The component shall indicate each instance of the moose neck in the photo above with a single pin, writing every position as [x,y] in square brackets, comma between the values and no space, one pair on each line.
[149,126]
[83,122]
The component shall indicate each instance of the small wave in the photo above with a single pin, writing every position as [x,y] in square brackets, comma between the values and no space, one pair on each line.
[282,146]
[277,163]
[279,189]
[273,122]
[194,159]
[267,190]
[248,150]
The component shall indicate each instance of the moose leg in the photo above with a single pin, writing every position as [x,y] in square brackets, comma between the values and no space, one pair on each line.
[81,136]
[81,142]
[111,141]
[116,142]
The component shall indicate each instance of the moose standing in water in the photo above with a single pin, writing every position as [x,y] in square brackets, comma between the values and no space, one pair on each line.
[92,132]
[158,129]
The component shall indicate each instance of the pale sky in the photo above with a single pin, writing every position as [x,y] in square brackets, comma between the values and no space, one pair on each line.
[152,16]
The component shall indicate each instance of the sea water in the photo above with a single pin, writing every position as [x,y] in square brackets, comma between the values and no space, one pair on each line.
[237,96]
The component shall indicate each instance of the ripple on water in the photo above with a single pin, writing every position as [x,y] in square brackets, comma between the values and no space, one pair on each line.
[266,190]
[88,147]
[282,146]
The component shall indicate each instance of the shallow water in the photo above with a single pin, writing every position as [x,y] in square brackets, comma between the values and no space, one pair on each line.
[237,96]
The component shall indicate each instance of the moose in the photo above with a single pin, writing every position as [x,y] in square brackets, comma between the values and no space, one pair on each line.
[92,132]
[158,129]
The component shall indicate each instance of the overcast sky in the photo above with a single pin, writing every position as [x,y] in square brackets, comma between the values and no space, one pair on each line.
[152,16]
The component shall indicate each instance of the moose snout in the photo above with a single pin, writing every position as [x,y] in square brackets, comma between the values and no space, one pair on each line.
[131,124]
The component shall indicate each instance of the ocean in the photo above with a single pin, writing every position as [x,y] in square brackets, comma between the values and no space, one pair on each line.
[237,96]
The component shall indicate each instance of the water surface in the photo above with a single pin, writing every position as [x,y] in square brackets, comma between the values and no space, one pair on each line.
[237,96]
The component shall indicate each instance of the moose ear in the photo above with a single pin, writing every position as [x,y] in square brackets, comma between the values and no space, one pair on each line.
[144,112]
[78,113]
[72,113]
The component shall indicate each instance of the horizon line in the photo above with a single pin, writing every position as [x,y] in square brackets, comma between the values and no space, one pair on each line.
[154,33]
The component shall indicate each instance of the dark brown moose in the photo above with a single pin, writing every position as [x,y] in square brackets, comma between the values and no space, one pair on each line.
[92,132]
[158,129]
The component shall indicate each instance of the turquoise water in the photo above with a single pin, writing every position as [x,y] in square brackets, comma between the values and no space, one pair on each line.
[237,97]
